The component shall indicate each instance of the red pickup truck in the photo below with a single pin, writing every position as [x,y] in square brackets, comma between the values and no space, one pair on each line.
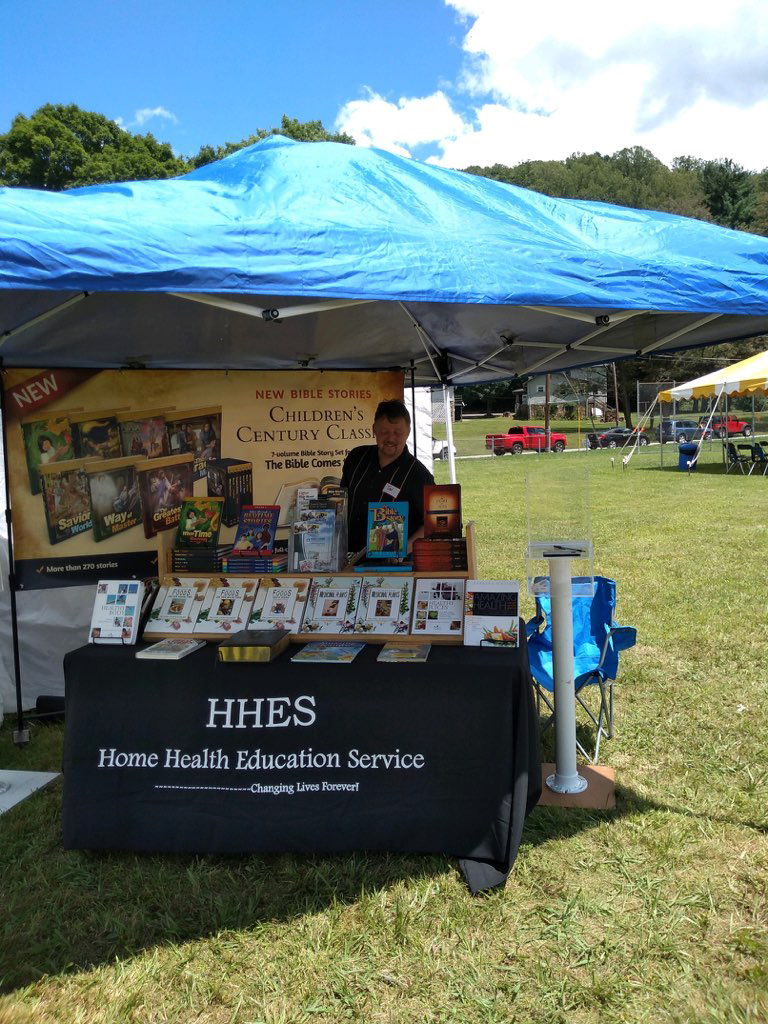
[520,439]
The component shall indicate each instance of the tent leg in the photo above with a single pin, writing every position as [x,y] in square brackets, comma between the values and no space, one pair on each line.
[20,733]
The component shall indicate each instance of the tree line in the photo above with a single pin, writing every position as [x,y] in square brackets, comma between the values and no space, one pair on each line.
[61,146]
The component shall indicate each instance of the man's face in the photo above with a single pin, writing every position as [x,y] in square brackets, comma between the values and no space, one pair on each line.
[391,437]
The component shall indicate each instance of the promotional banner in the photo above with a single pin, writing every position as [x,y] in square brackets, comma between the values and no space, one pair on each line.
[100,462]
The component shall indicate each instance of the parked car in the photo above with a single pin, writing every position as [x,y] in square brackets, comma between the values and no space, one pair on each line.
[520,439]
[620,437]
[680,431]
[440,449]
[730,427]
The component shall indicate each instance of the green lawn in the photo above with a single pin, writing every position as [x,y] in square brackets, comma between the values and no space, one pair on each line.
[655,912]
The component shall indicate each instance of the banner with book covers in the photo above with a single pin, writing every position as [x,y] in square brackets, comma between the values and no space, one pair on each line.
[101,462]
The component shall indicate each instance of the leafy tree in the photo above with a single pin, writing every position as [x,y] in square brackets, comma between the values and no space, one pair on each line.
[730,193]
[306,131]
[62,146]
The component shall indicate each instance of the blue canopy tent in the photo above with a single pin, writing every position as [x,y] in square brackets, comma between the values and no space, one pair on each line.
[293,254]
[328,256]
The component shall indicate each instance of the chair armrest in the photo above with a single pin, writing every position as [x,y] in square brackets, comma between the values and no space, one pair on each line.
[623,637]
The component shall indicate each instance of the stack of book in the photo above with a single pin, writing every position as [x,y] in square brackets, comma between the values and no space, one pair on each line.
[202,560]
[437,554]
[237,565]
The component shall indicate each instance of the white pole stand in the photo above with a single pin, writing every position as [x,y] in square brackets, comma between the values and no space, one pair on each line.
[566,778]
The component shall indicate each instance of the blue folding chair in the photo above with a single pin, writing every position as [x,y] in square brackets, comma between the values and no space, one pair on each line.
[597,641]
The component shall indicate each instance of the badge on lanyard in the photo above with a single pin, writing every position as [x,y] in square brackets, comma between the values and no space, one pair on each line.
[390,490]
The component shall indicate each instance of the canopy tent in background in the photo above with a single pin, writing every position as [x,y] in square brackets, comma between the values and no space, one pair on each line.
[291,254]
[748,377]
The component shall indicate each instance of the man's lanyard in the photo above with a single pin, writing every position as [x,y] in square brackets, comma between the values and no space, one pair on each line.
[389,484]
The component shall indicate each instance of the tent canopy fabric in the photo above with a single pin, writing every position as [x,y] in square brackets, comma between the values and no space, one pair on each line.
[291,254]
[743,378]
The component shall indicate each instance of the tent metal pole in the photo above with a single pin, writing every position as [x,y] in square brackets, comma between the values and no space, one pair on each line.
[43,316]
[20,733]
[449,432]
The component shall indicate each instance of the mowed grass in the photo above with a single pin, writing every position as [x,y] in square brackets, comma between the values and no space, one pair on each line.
[655,912]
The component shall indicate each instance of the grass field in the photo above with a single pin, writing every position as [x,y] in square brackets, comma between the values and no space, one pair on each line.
[655,912]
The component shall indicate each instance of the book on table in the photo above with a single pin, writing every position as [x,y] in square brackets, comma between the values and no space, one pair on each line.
[171,649]
[387,532]
[227,606]
[394,653]
[385,605]
[325,651]
[491,613]
[116,612]
[178,603]
[280,603]
[438,607]
[256,529]
[199,523]
[254,645]
[332,604]
[442,510]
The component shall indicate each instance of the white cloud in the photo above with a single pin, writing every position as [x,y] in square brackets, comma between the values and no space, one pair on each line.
[542,81]
[141,117]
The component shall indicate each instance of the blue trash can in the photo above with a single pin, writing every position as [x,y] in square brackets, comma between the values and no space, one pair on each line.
[686,453]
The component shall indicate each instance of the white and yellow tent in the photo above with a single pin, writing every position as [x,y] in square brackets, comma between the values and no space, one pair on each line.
[744,378]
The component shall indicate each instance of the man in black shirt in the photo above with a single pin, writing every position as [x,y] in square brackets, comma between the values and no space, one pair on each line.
[385,471]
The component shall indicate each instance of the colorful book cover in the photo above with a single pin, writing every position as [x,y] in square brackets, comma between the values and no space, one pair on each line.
[164,484]
[438,607]
[231,479]
[442,510]
[227,606]
[491,613]
[116,612]
[66,499]
[178,602]
[387,535]
[256,529]
[332,604]
[144,434]
[199,523]
[197,432]
[115,500]
[322,651]
[394,654]
[385,605]
[46,440]
[96,435]
[280,604]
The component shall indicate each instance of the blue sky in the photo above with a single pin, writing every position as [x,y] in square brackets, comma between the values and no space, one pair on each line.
[452,81]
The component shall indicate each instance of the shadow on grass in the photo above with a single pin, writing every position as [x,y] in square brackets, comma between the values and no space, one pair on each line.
[67,911]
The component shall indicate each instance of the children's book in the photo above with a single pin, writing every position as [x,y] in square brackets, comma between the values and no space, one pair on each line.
[197,433]
[164,484]
[491,613]
[178,604]
[393,653]
[143,434]
[199,523]
[385,605]
[116,612]
[442,510]
[319,651]
[46,440]
[256,528]
[96,435]
[332,604]
[438,607]
[232,480]
[280,603]
[227,606]
[387,535]
[66,498]
[115,499]
[171,649]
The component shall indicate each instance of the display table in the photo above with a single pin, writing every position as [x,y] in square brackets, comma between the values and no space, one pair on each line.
[199,756]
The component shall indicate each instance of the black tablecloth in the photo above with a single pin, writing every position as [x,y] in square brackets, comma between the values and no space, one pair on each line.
[201,756]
